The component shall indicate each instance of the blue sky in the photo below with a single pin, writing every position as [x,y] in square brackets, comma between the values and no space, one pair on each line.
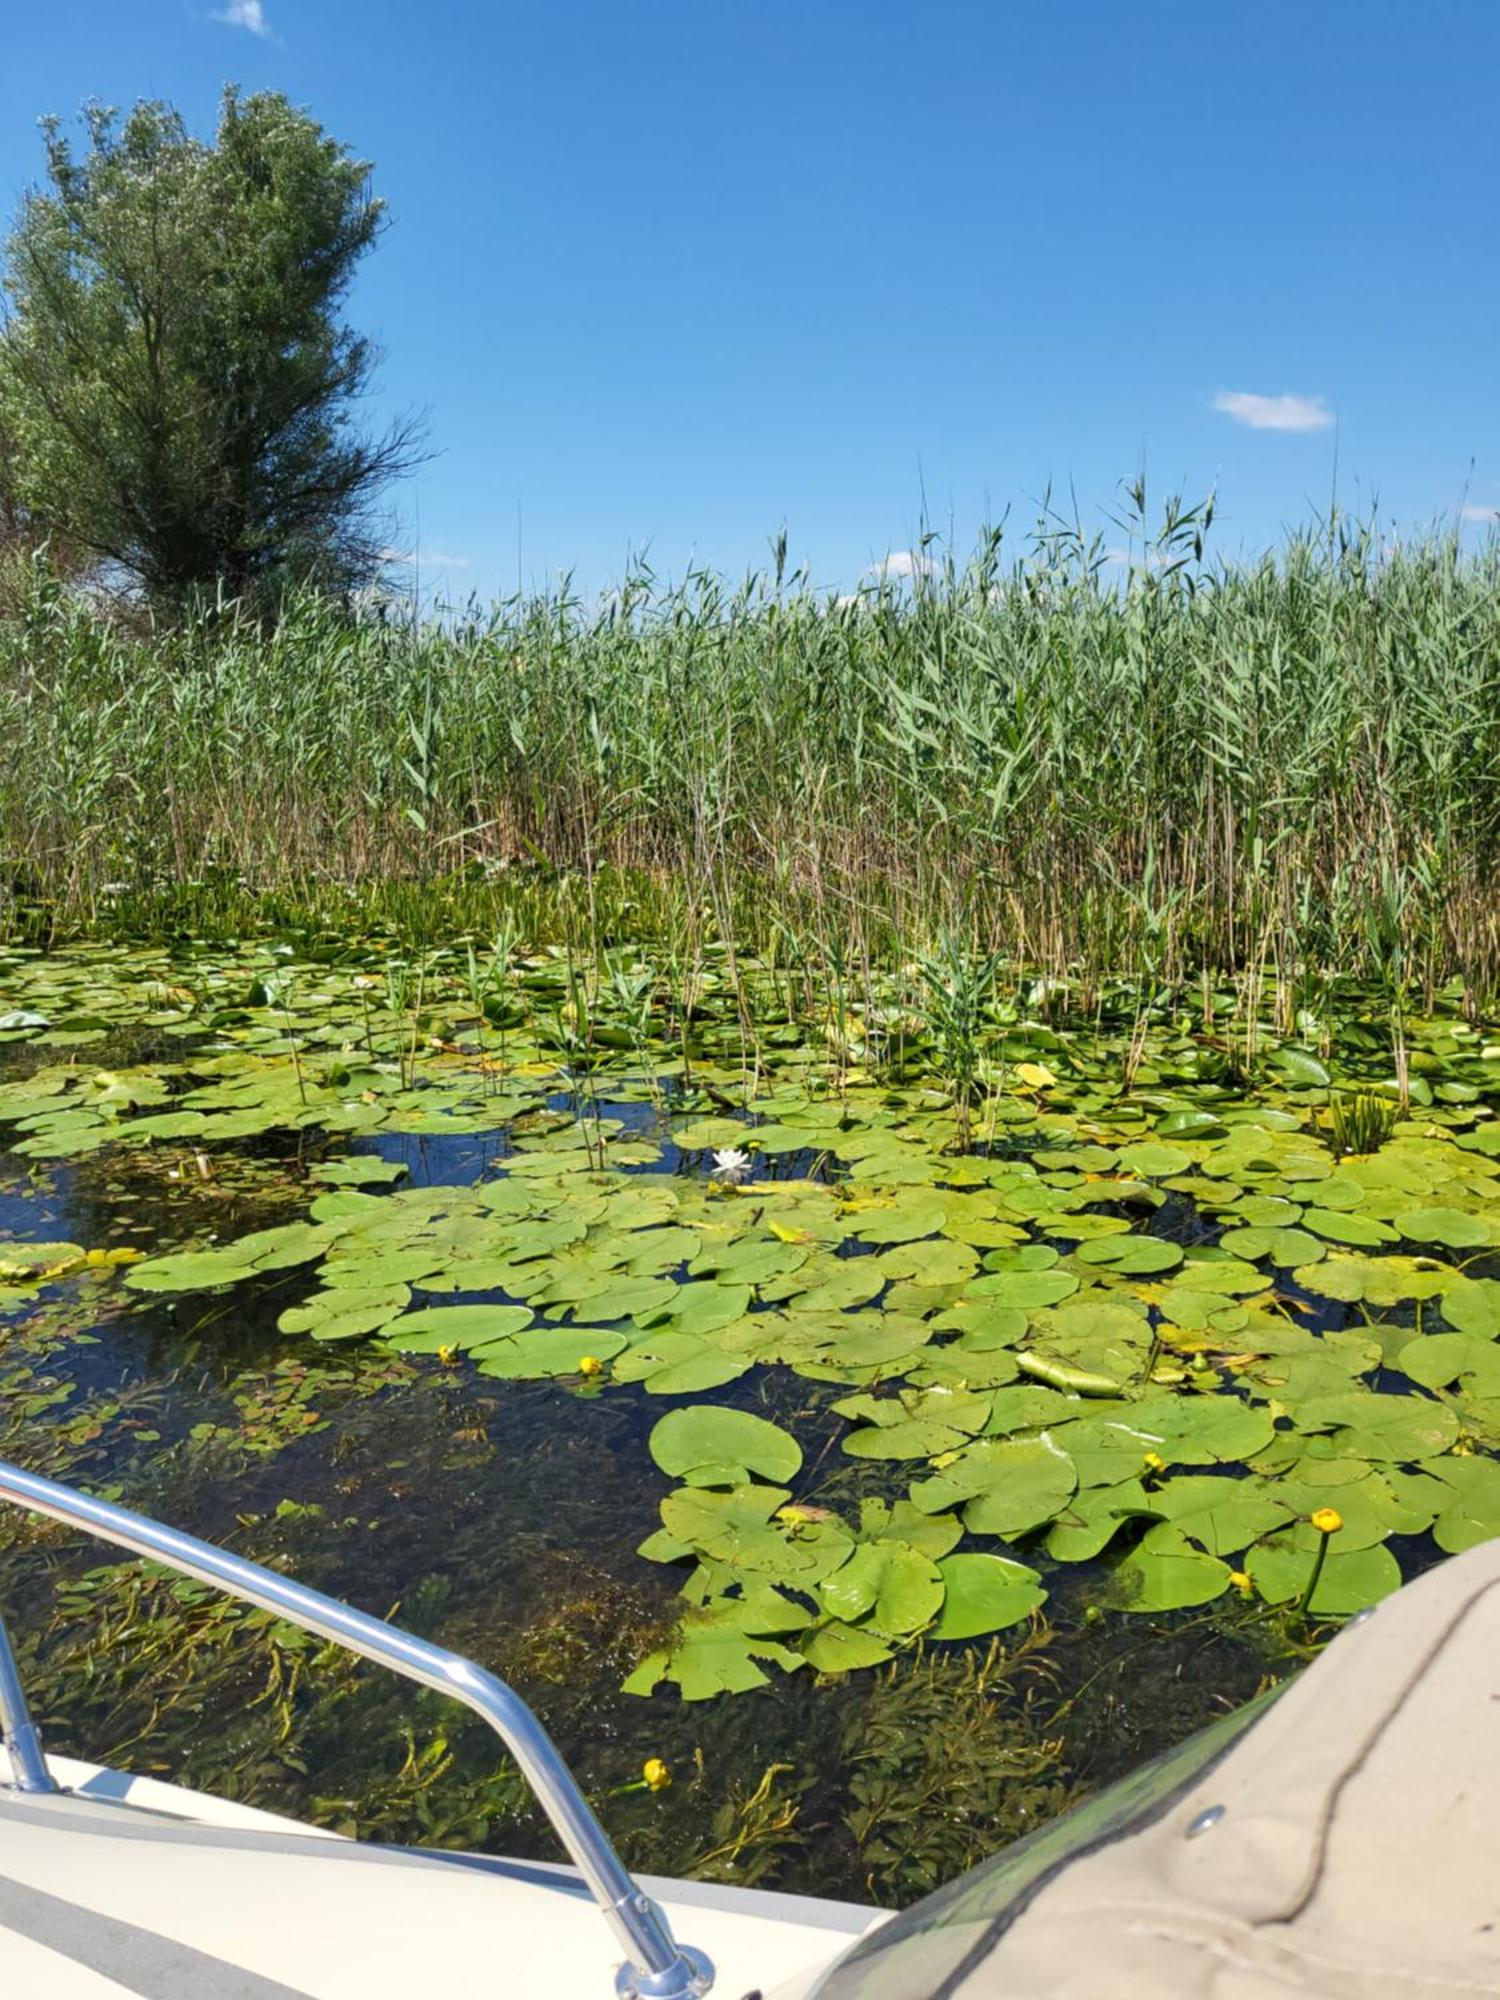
[667,277]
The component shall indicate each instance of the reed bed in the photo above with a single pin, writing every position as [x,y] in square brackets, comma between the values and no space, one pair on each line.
[1104,773]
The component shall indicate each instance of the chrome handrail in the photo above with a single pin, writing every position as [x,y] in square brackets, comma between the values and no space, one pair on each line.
[656,1968]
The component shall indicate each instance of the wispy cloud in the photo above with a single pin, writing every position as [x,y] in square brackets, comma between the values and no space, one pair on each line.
[249,14]
[1488,516]
[428,558]
[1145,559]
[904,562]
[1274,413]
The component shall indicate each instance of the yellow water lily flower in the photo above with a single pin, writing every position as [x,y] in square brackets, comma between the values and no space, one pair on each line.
[656,1775]
[590,1366]
[1327,1520]
[1241,1582]
[449,1356]
[1153,1462]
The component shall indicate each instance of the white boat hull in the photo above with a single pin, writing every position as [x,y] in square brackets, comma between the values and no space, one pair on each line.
[120,1885]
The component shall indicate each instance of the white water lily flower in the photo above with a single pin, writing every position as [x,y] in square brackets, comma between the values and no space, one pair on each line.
[732,1166]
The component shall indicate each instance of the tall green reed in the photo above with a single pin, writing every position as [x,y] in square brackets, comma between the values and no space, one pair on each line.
[1105,771]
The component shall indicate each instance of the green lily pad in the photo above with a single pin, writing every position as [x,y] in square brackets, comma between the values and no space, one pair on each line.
[1025,1290]
[1472,1305]
[668,1363]
[1436,1359]
[1402,1429]
[1282,1567]
[1472,1512]
[190,1271]
[454,1326]
[895,1589]
[1453,1227]
[1165,1573]
[1284,1247]
[983,1594]
[1153,1161]
[1347,1227]
[688,1441]
[1093,1517]
[1005,1486]
[541,1352]
[837,1648]
[709,1657]
[1222,1515]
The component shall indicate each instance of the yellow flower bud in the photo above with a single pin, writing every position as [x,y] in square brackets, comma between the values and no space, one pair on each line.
[1241,1582]
[449,1356]
[1327,1520]
[590,1366]
[1153,1462]
[656,1774]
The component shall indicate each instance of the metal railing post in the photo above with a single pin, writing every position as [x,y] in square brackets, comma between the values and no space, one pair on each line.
[22,1744]
[656,1968]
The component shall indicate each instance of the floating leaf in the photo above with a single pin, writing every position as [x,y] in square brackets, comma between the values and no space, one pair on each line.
[1133,1256]
[1472,1513]
[687,1441]
[895,1589]
[1282,1568]
[190,1271]
[1166,1573]
[668,1363]
[1024,1289]
[1093,1517]
[454,1326]
[1454,1227]
[1005,1487]
[1222,1515]
[836,1648]
[539,1352]
[1154,1162]
[1404,1429]
[710,1656]
[984,1594]
[1436,1359]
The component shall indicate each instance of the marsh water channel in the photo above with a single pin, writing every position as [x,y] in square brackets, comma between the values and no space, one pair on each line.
[893,1475]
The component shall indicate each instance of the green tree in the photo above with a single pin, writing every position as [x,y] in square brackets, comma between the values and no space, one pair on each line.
[176,380]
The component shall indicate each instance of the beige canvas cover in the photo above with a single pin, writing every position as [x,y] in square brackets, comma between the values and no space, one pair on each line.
[1357,1852]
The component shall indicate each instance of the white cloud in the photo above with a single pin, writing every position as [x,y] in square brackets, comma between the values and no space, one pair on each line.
[249,14]
[1274,413]
[904,562]
[427,558]
[1487,515]
[1147,559]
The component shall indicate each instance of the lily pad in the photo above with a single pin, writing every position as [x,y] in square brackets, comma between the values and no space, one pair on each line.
[895,1589]
[983,1594]
[1005,1486]
[454,1326]
[1282,1567]
[1165,1573]
[706,1437]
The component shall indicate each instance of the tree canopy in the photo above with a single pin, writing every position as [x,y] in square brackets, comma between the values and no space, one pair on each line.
[177,384]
